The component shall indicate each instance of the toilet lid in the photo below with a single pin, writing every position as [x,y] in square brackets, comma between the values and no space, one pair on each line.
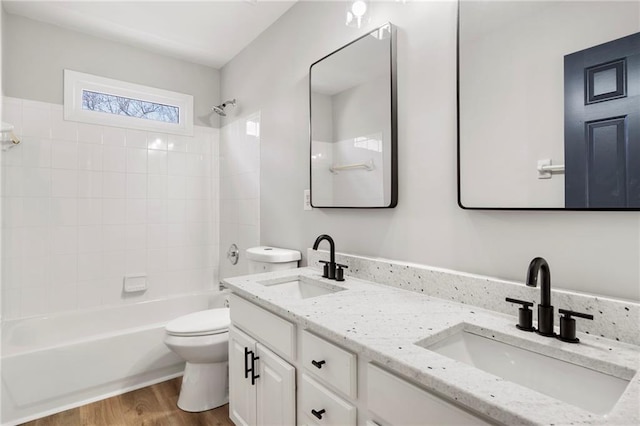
[211,321]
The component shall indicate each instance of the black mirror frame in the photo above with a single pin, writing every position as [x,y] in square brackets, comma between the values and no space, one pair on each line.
[459,185]
[393,202]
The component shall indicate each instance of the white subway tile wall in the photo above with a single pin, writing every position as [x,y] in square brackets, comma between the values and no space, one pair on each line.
[239,191]
[84,205]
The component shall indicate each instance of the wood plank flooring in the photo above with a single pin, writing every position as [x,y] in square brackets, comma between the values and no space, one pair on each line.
[151,406]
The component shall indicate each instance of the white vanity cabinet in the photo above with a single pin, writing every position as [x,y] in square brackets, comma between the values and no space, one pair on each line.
[330,363]
[334,385]
[262,385]
[329,375]
[320,406]
[398,402]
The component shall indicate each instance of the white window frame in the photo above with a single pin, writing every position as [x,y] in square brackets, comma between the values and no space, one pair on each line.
[76,82]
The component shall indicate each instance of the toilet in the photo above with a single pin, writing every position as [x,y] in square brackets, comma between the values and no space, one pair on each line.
[267,259]
[202,339]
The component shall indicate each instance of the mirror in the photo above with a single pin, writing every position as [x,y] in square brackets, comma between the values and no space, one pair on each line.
[353,130]
[549,105]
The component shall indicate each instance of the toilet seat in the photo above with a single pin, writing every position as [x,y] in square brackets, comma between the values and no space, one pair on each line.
[202,323]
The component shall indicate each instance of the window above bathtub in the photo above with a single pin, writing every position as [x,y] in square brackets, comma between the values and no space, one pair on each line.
[99,100]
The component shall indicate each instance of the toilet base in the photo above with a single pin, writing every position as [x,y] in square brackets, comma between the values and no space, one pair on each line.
[204,387]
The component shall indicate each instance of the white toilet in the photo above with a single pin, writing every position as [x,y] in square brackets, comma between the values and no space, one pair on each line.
[202,339]
[267,259]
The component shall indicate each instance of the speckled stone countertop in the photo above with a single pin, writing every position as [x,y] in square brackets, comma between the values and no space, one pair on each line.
[384,324]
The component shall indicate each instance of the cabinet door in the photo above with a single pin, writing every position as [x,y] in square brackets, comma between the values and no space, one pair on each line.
[276,397]
[242,395]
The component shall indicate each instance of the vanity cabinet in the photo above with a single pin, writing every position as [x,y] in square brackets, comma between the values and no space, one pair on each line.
[320,406]
[326,366]
[277,333]
[398,402]
[262,385]
[334,385]
[330,363]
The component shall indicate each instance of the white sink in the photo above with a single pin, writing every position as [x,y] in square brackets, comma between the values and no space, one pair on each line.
[588,389]
[301,287]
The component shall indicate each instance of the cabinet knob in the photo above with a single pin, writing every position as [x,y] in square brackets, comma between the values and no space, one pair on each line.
[318,414]
[318,364]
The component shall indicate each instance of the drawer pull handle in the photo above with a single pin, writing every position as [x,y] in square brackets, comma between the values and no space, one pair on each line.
[318,414]
[254,376]
[246,363]
[318,364]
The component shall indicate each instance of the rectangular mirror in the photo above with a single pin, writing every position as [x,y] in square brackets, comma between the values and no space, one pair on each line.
[353,124]
[549,105]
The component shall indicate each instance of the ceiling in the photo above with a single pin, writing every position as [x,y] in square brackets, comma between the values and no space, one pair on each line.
[205,32]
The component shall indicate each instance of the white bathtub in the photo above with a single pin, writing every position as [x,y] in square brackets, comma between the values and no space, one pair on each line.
[53,363]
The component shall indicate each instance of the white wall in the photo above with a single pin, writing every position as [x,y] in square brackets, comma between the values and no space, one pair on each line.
[322,118]
[323,180]
[338,120]
[512,94]
[2,19]
[84,205]
[347,106]
[239,190]
[361,187]
[596,252]
[35,54]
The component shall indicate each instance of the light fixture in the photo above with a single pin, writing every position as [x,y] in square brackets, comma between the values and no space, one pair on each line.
[358,13]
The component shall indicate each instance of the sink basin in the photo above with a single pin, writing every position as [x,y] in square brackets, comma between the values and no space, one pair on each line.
[301,287]
[588,389]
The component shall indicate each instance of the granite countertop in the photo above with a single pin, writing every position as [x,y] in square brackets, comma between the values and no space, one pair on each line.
[383,323]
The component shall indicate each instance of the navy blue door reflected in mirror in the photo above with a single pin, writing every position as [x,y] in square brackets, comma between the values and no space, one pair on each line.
[536,131]
[602,125]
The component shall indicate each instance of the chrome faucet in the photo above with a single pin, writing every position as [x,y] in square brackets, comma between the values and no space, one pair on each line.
[329,268]
[545,309]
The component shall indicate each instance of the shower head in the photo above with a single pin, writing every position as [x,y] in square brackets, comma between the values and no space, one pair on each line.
[219,109]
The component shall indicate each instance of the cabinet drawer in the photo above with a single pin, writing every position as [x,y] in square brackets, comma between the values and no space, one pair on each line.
[400,403]
[314,396]
[275,332]
[330,363]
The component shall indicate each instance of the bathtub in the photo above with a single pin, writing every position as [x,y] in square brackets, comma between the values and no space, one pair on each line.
[53,363]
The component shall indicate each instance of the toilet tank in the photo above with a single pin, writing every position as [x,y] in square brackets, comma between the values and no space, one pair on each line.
[266,259]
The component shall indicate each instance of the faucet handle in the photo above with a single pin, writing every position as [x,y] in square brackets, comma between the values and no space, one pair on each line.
[525,316]
[325,268]
[568,325]
[570,314]
[340,272]
[524,303]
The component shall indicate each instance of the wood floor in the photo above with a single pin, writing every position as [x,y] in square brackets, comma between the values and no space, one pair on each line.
[151,406]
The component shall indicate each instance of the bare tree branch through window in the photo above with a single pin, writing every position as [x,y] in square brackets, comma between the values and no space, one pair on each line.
[118,105]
